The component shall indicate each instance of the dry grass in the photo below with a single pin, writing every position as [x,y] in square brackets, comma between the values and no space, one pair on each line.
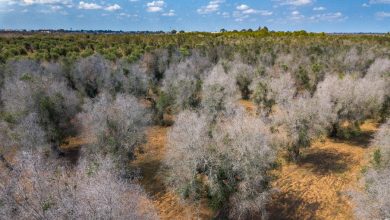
[316,187]
[248,105]
[73,143]
[167,203]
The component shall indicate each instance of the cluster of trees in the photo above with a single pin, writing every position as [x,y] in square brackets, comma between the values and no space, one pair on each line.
[44,104]
[110,89]
[220,153]
[39,188]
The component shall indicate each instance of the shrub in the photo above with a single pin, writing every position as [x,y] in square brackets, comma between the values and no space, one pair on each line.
[134,80]
[382,141]
[91,75]
[118,124]
[224,161]
[243,74]
[183,82]
[243,83]
[53,103]
[303,120]
[40,189]
[379,68]
[352,99]
[219,91]
[268,92]
[374,202]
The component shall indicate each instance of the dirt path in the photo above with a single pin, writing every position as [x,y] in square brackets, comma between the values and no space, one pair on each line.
[167,203]
[315,188]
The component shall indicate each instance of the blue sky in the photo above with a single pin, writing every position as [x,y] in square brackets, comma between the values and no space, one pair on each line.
[198,15]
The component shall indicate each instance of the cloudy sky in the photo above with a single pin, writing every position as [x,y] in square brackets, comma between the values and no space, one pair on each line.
[198,15]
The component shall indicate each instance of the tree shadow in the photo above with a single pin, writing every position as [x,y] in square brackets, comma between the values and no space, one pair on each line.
[326,161]
[363,139]
[288,206]
[151,177]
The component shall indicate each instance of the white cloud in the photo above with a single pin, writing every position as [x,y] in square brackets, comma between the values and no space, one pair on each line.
[126,15]
[113,7]
[36,2]
[213,6]
[155,6]
[31,2]
[170,13]
[242,7]
[319,8]
[89,6]
[244,11]
[295,2]
[296,16]
[94,6]
[337,16]
[265,13]
[382,14]
[379,1]
[295,13]
[225,14]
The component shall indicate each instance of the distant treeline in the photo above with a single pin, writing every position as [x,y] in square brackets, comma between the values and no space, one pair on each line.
[45,45]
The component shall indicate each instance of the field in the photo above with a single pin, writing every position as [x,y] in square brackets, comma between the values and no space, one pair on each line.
[235,125]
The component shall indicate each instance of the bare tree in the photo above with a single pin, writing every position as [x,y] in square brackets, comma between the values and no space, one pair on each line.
[91,75]
[53,103]
[41,189]
[225,161]
[118,124]
[374,201]
[271,91]
[303,120]
[353,99]
[218,92]
[382,141]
